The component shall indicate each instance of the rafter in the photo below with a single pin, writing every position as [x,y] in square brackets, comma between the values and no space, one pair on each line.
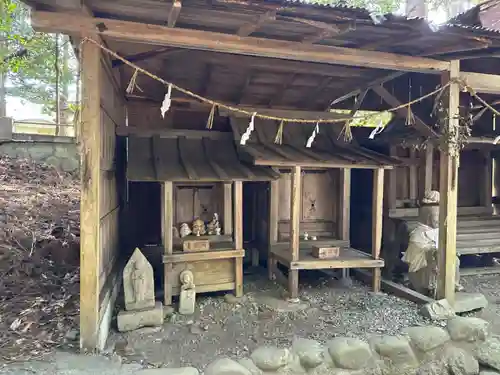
[403,112]
[249,28]
[280,93]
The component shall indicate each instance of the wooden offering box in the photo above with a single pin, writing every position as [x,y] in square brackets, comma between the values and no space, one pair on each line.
[195,245]
[325,252]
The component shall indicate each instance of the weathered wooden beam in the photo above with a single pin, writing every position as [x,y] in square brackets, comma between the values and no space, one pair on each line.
[250,27]
[403,112]
[280,93]
[295,199]
[429,166]
[306,115]
[90,254]
[167,223]
[227,215]
[147,55]
[448,187]
[238,236]
[174,13]
[481,82]
[377,219]
[344,204]
[204,40]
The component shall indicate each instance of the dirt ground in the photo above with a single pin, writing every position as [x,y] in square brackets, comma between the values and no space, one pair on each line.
[226,326]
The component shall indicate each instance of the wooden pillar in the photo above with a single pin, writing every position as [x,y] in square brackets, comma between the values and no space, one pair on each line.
[487,191]
[293,274]
[90,254]
[273,225]
[167,222]
[413,176]
[344,204]
[429,165]
[393,183]
[448,183]
[227,217]
[238,236]
[377,218]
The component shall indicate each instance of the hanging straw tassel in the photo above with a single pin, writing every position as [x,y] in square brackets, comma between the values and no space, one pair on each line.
[410,119]
[279,134]
[167,101]
[313,135]
[210,121]
[132,83]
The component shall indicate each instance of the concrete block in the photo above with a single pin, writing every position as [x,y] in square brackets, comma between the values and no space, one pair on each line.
[6,124]
[134,319]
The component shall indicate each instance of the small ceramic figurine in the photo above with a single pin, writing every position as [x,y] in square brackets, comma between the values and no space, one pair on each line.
[314,238]
[306,236]
[185,230]
[199,227]
[214,226]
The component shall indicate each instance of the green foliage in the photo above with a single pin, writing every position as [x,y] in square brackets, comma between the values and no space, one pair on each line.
[368,119]
[32,75]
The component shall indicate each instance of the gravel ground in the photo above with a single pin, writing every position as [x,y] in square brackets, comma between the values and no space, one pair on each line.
[224,326]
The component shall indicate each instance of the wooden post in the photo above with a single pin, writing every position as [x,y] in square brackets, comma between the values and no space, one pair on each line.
[377,218]
[90,254]
[393,183]
[487,191]
[227,218]
[238,236]
[344,203]
[293,275]
[447,251]
[167,222]
[413,176]
[429,164]
[273,224]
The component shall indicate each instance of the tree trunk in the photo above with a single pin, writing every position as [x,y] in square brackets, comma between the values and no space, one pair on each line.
[3,90]
[416,8]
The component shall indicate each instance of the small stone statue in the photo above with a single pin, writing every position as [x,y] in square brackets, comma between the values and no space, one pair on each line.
[421,254]
[199,227]
[306,236]
[185,230]
[214,226]
[187,298]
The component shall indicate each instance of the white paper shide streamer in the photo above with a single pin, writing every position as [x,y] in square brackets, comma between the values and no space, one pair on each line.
[376,131]
[313,135]
[167,101]
[246,135]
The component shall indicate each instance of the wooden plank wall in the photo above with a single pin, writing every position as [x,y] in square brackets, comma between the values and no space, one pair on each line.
[102,110]
[471,175]
[112,115]
[318,207]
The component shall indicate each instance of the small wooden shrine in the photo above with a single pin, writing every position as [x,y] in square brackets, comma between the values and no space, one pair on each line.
[200,175]
[309,204]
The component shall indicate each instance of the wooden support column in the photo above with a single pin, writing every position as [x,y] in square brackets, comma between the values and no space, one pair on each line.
[167,222]
[293,275]
[227,217]
[413,176]
[272,225]
[238,236]
[344,204]
[448,184]
[377,218]
[393,183]
[487,191]
[429,164]
[90,254]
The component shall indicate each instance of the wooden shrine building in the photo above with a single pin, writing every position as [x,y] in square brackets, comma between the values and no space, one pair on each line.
[294,61]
